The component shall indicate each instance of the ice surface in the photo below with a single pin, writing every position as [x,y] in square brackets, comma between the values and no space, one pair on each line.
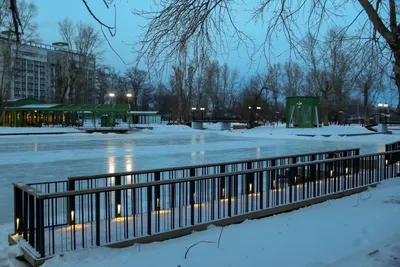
[56,157]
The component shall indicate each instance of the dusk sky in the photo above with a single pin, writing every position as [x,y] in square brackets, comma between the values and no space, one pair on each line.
[51,11]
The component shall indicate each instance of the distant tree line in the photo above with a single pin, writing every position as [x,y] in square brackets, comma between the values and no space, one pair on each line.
[331,68]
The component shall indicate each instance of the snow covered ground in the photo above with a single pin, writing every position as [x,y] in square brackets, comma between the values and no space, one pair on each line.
[55,157]
[19,130]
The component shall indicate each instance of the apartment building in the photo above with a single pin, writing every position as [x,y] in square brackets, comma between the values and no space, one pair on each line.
[34,71]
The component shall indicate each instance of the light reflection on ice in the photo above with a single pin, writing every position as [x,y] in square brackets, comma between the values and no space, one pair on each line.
[111,164]
[128,163]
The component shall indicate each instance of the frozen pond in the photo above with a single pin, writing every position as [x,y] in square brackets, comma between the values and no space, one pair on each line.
[55,157]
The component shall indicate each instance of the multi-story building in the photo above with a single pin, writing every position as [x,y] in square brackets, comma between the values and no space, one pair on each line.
[34,71]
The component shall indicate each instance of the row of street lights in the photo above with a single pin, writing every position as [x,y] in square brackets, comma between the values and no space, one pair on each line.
[194,109]
[128,95]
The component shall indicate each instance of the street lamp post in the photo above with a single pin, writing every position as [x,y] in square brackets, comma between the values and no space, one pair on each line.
[193,113]
[386,112]
[258,116]
[202,112]
[380,105]
[111,95]
[129,95]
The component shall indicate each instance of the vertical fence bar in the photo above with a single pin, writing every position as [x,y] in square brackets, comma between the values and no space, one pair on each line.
[157,198]
[149,208]
[31,230]
[221,186]
[192,200]
[40,247]
[261,177]
[313,176]
[117,202]
[229,189]
[18,219]
[71,202]
[249,181]
[97,210]
[26,213]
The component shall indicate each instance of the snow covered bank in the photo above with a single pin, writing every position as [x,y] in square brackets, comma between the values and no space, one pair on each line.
[20,130]
[334,133]
[333,233]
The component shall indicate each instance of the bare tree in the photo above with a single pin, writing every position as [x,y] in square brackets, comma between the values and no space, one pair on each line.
[330,65]
[164,100]
[136,79]
[67,31]
[84,48]
[179,23]
[294,79]
[9,48]
[177,82]
[273,83]
[369,82]
[230,79]
[102,84]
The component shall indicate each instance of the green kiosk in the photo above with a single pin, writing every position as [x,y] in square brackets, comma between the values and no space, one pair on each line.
[302,112]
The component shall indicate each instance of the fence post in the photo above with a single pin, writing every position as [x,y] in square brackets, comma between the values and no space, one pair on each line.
[149,209]
[18,219]
[40,227]
[221,187]
[31,226]
[192,201]
[250,186]
[97,208]
[292,174]
[261,185]
[117,202]
[157,190]
[25,215]
[230,184]
[313,175]
[71,202]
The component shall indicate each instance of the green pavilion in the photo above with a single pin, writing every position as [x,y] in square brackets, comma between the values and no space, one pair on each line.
[32,113]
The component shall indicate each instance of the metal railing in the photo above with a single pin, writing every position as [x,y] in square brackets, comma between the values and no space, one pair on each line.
[48,224]
[392,146]
[122,178]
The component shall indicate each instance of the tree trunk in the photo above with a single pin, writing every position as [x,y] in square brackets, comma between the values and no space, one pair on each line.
[365,104]
[396,70]
[326,118]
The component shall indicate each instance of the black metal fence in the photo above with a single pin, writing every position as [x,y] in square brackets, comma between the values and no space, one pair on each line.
[122,178]
[392,146]
[47,222]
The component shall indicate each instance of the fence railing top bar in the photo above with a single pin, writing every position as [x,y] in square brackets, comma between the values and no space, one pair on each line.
[203,177]
[105,175]
[396,142]
[28,189]
[49,182]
